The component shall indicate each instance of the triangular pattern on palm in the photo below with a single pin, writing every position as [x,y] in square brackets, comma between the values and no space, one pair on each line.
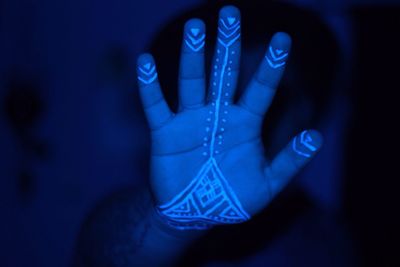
[207,199]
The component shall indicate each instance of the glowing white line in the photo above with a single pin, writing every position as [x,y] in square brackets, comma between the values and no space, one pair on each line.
[194,48]
[275,58]
[148,81]
[217,102]
[298,151]
[235,198]
[206,166]
[274,65]
[229,27]
[306,143]
[226,45]
[227,35]
[210,165]
[196,41]
[148,72]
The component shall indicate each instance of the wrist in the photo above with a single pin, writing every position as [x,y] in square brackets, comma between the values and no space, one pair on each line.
[164,227]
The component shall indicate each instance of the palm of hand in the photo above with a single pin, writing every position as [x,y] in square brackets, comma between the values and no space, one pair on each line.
[207,164]
[183,146]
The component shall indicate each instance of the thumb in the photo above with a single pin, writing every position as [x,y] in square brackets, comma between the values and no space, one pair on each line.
[301,149]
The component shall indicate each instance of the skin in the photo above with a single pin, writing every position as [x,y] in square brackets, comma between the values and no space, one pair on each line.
[182,142]
[128,229]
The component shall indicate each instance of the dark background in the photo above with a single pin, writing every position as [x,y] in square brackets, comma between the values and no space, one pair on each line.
[72,130]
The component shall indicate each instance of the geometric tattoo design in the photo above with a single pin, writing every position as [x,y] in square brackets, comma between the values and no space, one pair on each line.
[147,73]
[209,199]
[275,57]
[302,145]
[194,41]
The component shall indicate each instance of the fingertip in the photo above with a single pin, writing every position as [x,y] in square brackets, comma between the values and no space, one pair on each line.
[317,138]
[307,143]
[229,11]
[229,17]
[194,36]
[146,70]
[195,26]
[293,157]
[144,59]
[278,53]
[229,29]
[282,41]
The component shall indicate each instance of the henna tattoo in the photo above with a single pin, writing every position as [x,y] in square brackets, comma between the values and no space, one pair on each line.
[147,73]
[302,145]
[209,200]
[194,39]
[276,58]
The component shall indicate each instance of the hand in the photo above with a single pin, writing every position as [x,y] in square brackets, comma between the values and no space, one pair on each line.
[207,163]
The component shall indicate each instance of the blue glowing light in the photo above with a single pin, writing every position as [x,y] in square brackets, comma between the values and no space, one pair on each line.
[303,145]
[147,74]
[193,40]
[276,58]
[209,199]
[228,33]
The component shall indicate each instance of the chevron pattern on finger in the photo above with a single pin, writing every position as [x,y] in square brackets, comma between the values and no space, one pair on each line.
[147,73]
[276,58]
[303,145]
[194,40]
[229,31]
